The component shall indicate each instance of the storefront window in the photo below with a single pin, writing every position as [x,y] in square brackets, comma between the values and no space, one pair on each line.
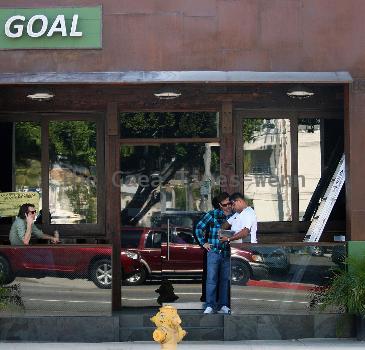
[169,125]
[72,172]
[165,190]
[267,168]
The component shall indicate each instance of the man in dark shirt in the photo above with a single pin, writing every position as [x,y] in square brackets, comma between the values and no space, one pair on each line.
[218,256]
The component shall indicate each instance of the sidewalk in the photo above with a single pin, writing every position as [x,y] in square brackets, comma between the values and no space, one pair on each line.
[301,344]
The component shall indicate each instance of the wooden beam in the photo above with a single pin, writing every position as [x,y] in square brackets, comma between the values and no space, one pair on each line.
[112,199]
[348,165]
[294,181]
[148,141]
[112,119]
[227,151]
[227,118]
[239,156]
[45,174]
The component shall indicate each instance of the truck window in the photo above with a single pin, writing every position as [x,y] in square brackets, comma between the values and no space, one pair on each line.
[130,238]
[155,238]
[183,237]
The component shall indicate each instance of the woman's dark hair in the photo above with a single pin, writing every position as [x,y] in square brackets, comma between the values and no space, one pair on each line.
[23,209]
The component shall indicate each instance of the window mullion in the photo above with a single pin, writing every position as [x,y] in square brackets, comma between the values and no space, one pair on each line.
[45,173]
[294,171]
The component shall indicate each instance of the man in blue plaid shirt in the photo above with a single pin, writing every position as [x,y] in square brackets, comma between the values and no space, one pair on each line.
[218,256]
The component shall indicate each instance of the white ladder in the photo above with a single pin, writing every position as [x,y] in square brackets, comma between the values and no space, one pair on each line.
[326,205]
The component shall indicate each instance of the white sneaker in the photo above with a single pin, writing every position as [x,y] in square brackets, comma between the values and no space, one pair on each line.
[209,310]
[224,310]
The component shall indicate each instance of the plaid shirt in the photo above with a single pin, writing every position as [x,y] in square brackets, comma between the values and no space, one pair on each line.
[207,231]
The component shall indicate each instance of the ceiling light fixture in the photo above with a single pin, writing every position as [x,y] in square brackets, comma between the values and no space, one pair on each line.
[300,92]
[40,96]
[167,94]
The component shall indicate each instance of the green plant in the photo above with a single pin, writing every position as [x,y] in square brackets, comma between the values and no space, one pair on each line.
[10,297]
[345,289]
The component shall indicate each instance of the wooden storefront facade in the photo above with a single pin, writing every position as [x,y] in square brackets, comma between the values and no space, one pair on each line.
[235,58]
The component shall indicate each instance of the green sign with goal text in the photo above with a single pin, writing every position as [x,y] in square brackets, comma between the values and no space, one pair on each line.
[51,28]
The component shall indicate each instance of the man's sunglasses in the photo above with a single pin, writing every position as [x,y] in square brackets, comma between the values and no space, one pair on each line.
[32,211]
[225,204]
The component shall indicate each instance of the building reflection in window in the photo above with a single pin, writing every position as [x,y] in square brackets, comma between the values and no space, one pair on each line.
[309,161]
[267,167]
[28,158]
[72,172]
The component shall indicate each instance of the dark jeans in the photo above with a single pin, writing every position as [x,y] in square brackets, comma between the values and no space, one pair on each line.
[218,276]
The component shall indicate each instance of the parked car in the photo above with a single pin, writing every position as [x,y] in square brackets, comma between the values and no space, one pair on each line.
[276,258]
[180,256]
[92,262]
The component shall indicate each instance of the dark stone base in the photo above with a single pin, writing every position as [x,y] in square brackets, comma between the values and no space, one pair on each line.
[136,326]
[360,327]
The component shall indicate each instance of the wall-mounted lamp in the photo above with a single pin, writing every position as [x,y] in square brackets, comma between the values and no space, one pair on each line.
[167,94]
[41,96]
[300,92]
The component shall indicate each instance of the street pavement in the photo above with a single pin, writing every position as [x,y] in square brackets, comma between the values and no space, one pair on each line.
[57,296]
[302,344]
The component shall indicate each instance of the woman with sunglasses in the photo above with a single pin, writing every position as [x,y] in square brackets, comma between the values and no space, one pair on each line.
[23,227]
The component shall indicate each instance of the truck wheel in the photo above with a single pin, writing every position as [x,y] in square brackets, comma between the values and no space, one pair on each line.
[6,275]
[101,273]
[240,272]
[136,279]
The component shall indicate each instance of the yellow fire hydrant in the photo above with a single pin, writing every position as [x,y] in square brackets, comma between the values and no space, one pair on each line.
[168,332]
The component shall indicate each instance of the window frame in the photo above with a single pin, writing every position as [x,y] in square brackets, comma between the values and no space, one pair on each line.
[77,231]
[295,225]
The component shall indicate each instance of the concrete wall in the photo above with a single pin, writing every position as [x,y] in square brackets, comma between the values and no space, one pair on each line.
[133,327]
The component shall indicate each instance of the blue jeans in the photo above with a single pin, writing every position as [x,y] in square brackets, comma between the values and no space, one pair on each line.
[218,270]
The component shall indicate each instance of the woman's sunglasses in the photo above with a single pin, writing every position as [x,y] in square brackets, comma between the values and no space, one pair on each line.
[225,204]
[32,211]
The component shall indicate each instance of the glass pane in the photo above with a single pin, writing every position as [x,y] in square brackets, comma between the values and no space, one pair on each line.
[279,279]
[48,280]
[21,171]
[28,157]
[309,161]
[165,189]
[267,168]
[167,179]
[72,172]
[320,148]
[169,125]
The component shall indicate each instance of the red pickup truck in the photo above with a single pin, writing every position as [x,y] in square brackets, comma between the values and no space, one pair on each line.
[177,255]
[92,262]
